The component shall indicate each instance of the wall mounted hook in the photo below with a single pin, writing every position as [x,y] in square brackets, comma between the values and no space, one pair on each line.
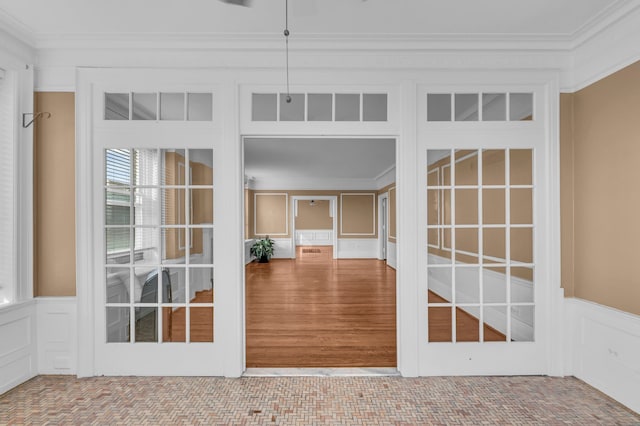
[35,116]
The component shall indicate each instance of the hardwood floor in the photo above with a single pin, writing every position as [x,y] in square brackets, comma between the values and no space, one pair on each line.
[318,312]
[467,326]
[201,321]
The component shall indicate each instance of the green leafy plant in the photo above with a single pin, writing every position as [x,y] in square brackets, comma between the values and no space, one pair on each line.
[263,249]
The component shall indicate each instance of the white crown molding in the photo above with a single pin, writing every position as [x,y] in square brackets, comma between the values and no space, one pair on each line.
[593,51]
[17,29]
[607,18]
[613,47]
[333,42]
[297,184]
[14,52]
[385,178]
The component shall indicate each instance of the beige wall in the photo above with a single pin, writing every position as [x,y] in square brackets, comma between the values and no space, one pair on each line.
[54,196]
[201,204]
[605,196]
[390,190]
[493,207]
[271,214]
[392,215]
[358,217]
[317,216]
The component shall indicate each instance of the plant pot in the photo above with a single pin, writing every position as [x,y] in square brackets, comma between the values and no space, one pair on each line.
[264,259]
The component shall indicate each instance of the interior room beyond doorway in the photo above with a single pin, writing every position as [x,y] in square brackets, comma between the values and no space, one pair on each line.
[328,296]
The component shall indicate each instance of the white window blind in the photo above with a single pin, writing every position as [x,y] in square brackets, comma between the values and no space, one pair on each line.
[118,206]
[132,181]
[147,199]
[7,200]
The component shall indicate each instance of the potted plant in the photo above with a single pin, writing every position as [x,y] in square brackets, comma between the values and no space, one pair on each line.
[263,249]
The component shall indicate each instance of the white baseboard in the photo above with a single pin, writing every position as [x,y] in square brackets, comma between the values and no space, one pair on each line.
[604,349]
[18,348]
[248,257]
[392,255]
[357,248]
[57,335]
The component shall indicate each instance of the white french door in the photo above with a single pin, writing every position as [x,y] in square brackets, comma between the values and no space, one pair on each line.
[154,161]
[484,272]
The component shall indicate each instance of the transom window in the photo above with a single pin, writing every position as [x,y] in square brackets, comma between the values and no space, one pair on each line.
[480,107]
[175,106]
[159,245]
[319,107]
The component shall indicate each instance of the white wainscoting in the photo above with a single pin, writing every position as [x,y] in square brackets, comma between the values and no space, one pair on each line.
[392,255]
[357,248]
[57,335]
[604,349]
[18,348]
[314,237]
[439,281]
[282,248]
[248,257]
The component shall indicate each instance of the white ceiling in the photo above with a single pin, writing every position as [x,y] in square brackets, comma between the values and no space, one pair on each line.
[559,18]
[316,160]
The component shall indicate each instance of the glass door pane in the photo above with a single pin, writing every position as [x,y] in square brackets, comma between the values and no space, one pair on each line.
[480,232]
[159,245]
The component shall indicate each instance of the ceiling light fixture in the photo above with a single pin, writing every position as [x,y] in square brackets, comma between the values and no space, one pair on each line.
[312,203]
[286,46]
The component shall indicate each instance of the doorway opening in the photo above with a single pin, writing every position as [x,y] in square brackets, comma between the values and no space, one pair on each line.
[314,226]
[327,298]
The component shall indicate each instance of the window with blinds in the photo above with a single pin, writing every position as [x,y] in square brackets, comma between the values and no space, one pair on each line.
[7,196]
[130,206]
[159,245]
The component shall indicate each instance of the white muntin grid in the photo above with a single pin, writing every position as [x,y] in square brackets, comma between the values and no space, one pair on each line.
[523,103]
[305,104]
[158,226]
[453,265]
[187,99]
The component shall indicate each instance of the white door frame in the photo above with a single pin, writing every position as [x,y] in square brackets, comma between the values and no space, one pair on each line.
[405,120]
[383,226]
[333,200]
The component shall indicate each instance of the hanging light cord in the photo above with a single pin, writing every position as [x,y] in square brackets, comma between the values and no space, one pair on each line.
[286,40]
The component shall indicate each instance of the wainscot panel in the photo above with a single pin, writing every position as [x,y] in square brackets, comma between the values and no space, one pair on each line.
[19,349]
[605,349]
[57,335]
[392,255]
[357,248]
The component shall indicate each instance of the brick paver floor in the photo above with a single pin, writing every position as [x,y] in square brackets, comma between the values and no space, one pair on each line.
[310,400]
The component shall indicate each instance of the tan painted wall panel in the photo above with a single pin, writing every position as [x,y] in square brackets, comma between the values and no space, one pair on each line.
[54,196]
[271,215]
[566,194]
[311,193]
[314,217]
[358,215]
[607,199]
